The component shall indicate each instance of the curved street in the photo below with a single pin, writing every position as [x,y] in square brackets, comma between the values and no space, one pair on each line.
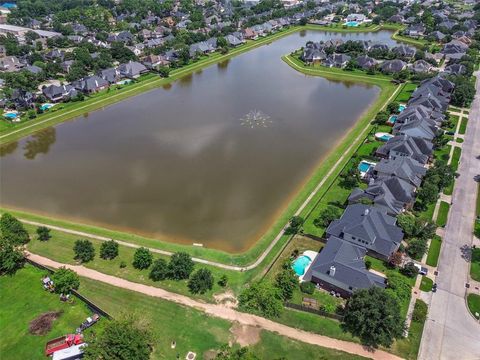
[450,331]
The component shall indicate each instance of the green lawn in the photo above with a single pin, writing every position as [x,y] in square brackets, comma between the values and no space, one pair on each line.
[428,213]
[473,301]
[434,250]
[408,347]
[406,93]
[192,330]
[443,213]
[475,265]
[454,120]
[443,153]
[478,201]
[426,284]
[463,126]
[22,299]
[326,301]
[60,248]
[457,152]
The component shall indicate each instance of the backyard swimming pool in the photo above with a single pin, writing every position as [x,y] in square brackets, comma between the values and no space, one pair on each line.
[351,23]
[46,106]
[300,264]
[401,108]
[383,136]
[11,115]
[392,119]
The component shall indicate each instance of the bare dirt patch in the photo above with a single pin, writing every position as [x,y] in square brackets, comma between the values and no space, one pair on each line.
[227,299]
[245,335]
[43,323]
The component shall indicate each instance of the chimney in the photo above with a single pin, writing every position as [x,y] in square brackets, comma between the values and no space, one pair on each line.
[366,212]
[332,270]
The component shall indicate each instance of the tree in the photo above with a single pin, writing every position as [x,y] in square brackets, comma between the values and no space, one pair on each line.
[11,258]
[13,229]
[121,339]
[416,248]
[262,298]
[374,316]
[109,250]
[307,287]
[43,233]
[428,193]
[142,259]
[399,287]
[294,226]
[223,280]
[84,250]
[327,215]
[409,270]
[201,281]
[287,282]
[222,42]
[164,71]
[180,266]
[159,270]
[395,259]
[65,280]
[393,107]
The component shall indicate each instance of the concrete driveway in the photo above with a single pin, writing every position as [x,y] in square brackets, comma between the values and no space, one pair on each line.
[450,331]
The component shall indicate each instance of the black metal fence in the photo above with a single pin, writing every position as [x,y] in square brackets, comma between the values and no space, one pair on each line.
[91,305]
[313,311]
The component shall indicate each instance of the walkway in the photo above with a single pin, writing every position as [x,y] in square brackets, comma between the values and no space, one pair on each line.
[222,311]
[450,331]
[269,248]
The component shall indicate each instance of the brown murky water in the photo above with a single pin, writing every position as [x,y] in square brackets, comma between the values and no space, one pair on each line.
[211,159]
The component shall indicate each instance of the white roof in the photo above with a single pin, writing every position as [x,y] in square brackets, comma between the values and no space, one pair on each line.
[68,352]
[42,33]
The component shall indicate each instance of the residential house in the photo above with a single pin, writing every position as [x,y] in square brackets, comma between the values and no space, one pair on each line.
[404,51]
[155,61]
[415,30]
[56,93]
[91,84]
[132,69]
[390,194]
[455,69]
[22,100]
[366,62]
[11,64]
[393,66]
[417,128]
[370,227]
[340,267]
[421,66]
[111,75]
[404,168]
[416,148]
[336,60]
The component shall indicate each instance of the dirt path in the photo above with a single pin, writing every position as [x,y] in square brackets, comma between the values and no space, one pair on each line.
[221,311]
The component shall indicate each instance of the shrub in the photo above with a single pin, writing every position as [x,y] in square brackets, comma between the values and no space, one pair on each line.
[286,281]
[43,233]
[142,259]
[416,248]
[223,281]
[180,266]
[123,264]
[201,281]
[307,287]
[420,311]
[65,280]
[409,270]
[159,270]
[109,250]
[84,251]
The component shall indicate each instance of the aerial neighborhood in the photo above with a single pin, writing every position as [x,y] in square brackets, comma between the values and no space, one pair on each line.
[239,179]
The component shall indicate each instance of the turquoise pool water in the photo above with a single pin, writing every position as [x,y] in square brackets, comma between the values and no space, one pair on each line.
[385,137]
[364,166]
[10,115]
[300,264]
[392,119]
[46,106]
[401,108]
[351,23]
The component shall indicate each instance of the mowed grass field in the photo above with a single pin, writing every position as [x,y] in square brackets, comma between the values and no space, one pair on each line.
[193,330]
[22,299]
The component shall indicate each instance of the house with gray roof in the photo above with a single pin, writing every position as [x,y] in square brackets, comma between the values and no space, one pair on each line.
[366,62]
[404,51]
[111,75]
[132,69]
[393,66]
[406,146]
[390,194]
[56,93]
[340,267]
[91,84]
[404,168]
[417,128]
[421,66]
[336,60]
[370,227]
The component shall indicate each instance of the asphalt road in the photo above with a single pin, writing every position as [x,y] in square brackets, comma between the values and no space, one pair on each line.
[450,331]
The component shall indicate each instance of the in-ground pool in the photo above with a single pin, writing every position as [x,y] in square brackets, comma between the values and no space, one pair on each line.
[46,106]
[383,136]
[364,166]
[351,23]
[392,119]
[301,264]
[401,108]
[10,115]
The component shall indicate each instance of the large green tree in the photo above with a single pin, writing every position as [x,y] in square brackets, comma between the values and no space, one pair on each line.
[142,259]
[201,281]
[109,250]
[11,258]
[374,316]
[13,230]
[124,338]
[287,281]
[84,251]
[180,266]
[262,298]
[65,280]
